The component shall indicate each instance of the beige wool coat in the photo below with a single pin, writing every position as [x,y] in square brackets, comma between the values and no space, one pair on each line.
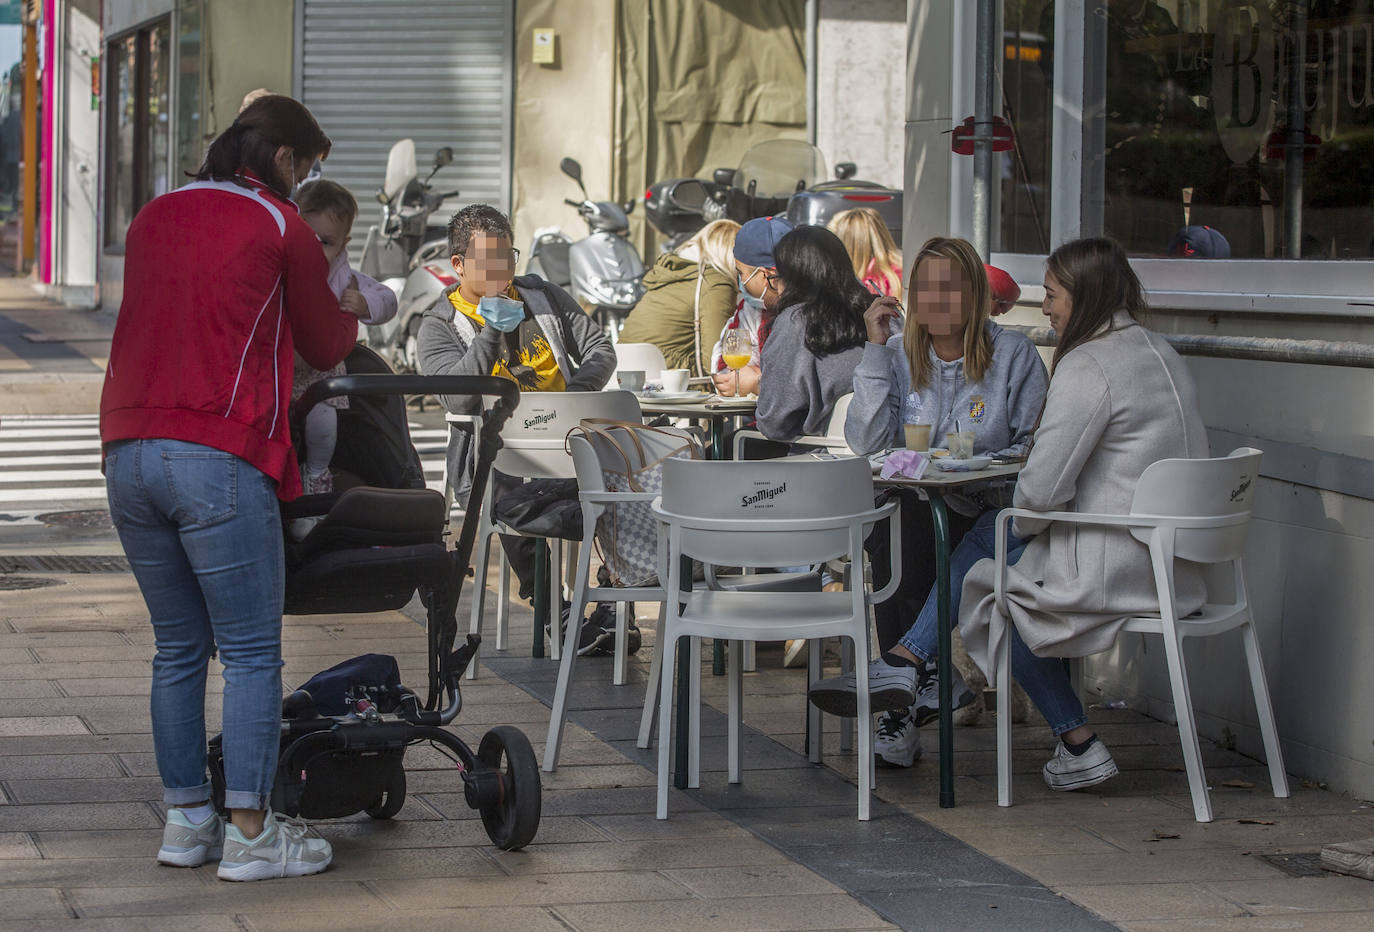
[1116,404]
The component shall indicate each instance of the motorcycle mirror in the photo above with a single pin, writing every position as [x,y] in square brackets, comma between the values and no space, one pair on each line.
[845,170]
[573,170]
[443,157]
[688,194]
[382,198]
[725,176]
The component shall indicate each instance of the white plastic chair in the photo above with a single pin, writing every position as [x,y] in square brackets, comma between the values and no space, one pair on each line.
[591,455]
[833,438]
[643,356]
[1183,509]
[765,513]
[533,447]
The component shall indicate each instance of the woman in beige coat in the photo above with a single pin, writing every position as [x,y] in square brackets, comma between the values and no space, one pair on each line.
[1119,399]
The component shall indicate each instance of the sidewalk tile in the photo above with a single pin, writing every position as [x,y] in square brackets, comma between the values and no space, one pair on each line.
[82,790]
[1133,902]
[144,924]
[690,825]
[36,903]
[16,845]
[1293,896]
[298,895]
[758,914]
[729,852]
[785,879]
[385,835]
[483,919]
[1308,922]
[530,889]
[42,725]
[27,689]
[58,766]
[1131,868]
[78,816]
[115,872]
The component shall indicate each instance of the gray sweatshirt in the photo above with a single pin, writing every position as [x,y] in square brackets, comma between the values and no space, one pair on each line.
[1001,409]
[797,389]
[451,344]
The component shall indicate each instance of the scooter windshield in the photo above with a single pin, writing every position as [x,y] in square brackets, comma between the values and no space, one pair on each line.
[779,167]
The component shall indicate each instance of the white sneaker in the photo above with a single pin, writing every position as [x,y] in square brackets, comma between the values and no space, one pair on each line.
[889,688]
[282,850]
[927,705]
[896,742]
[185,844]
[1068,771]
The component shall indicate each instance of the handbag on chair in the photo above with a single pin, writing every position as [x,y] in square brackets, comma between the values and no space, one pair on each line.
[627,533]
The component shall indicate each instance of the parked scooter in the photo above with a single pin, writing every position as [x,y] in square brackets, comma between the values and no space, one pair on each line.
[407,253]
[602,271]
[780,176]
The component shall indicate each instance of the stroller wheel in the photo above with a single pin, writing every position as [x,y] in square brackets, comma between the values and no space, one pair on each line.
[511,821]
[391,802]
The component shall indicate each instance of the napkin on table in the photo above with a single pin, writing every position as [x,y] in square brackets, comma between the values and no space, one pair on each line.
[905,464]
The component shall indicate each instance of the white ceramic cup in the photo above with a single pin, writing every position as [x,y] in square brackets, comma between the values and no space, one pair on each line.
[632,380]
[675,380]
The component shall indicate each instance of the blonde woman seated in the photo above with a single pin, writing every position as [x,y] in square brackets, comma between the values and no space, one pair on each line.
[689,294]
[877,260]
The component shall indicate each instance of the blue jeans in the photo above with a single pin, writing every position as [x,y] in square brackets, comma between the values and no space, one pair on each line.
[202,531]
[1043,678]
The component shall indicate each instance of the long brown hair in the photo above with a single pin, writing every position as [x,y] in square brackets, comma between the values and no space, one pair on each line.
[252,140]
[977,341]
[1100,282]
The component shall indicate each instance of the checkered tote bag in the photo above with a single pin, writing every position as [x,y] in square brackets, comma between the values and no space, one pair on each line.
[627,532]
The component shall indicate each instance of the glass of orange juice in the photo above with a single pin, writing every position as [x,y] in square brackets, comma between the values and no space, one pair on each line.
[736,349]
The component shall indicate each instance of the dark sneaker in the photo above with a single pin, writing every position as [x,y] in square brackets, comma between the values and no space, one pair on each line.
[896,742]
[282,850]
[889,688]
[1069,771]
[927,705]
[185,844]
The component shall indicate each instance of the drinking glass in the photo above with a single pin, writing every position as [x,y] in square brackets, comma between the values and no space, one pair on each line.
[736,349]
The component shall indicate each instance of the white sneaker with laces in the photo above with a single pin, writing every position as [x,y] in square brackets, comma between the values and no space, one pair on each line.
[282,850]
[927,705]
[889,688]
[185,844]
[896,742]
[1068,771]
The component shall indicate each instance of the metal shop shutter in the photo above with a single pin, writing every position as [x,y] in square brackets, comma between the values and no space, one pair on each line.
[437,71]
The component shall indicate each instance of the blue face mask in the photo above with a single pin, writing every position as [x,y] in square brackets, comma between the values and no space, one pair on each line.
[748,299]
[501,312]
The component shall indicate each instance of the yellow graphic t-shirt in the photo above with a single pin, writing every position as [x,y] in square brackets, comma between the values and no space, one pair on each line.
[526,357]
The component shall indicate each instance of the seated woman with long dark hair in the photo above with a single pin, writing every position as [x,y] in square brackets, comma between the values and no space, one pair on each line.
[816,341]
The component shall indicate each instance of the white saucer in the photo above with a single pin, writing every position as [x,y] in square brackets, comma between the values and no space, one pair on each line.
[675,396]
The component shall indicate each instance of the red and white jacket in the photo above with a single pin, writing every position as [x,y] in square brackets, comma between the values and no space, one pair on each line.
[222,282]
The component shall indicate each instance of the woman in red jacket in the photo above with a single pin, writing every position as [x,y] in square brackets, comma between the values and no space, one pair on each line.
[222,282]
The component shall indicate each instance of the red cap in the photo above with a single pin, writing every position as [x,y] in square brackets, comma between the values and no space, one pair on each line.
[1004,289]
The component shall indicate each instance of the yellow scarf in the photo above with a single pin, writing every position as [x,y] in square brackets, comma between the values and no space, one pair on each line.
[535,368]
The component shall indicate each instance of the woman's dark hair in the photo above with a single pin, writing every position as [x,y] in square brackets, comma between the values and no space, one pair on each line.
[1100,282]
[251,142]
[818,277]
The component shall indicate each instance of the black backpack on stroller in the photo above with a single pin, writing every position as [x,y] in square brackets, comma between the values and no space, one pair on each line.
[380,541]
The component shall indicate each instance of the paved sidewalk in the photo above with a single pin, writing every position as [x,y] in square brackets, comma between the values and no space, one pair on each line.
[80,818]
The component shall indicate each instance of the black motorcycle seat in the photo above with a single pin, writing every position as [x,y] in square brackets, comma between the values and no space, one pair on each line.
[553,259]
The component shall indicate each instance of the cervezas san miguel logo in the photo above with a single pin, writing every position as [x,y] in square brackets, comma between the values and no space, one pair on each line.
[763,497]
[540,419]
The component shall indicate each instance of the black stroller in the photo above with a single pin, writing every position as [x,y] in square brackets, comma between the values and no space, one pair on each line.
[345,732]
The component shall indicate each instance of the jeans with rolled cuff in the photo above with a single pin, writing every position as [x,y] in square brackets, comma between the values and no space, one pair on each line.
[202,532]
[1043,678]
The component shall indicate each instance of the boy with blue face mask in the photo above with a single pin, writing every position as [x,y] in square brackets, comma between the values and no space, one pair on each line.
[520,327]
[758,294]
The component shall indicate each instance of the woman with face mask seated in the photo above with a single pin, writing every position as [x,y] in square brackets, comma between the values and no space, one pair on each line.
[955,370]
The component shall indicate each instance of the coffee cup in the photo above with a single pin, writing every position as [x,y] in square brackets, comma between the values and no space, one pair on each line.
[917,437]
[960,444]
[631,380]
[675,380]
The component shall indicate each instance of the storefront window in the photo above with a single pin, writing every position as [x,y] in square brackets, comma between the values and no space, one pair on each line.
[138,70]
[1253,118]
[1028,77]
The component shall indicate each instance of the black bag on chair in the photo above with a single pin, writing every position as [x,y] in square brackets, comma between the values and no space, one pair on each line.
[542,508]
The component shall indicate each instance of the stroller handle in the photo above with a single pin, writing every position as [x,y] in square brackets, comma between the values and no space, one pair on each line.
[506,391]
